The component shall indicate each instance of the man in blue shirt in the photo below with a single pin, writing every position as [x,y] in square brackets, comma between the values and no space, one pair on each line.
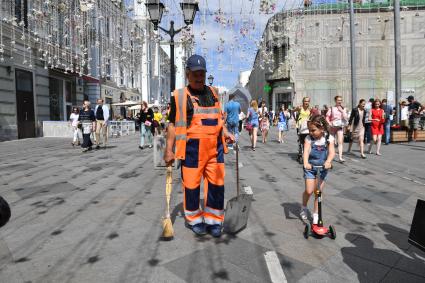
[232,110]
[389,111]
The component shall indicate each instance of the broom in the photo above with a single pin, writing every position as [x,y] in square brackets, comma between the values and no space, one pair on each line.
[167,225]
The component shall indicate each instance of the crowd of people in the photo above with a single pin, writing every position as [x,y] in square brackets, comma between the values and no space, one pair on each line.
[323,132]
[90,122]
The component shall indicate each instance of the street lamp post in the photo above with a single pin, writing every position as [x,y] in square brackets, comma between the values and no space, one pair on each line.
[155,9]
[210,80]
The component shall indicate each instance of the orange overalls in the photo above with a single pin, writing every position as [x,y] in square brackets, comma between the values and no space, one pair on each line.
[201,148]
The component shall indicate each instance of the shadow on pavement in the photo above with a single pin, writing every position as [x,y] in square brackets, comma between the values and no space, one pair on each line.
[292,210]
[380,265]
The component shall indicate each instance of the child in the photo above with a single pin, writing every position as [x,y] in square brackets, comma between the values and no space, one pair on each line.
[265,125]
[319,150]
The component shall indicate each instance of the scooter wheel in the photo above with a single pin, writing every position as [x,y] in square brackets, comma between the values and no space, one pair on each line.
[332,232]
[307,230]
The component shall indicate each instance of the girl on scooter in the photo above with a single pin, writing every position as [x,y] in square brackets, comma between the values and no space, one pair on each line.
[319,150]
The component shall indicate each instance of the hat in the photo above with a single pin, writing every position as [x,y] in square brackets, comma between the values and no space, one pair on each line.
[410,97]
[196,63]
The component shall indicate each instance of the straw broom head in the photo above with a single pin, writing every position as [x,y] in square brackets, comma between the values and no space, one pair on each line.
[167,225]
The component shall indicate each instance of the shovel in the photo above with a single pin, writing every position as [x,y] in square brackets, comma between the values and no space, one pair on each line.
[237,208]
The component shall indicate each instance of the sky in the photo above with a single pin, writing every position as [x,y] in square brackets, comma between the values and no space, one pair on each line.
[229,39]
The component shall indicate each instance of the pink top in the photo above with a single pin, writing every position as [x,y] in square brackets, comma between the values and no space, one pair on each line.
[334,114]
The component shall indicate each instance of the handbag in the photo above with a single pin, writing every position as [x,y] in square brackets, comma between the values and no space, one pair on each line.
[339,123]
[248,127]
[148,123]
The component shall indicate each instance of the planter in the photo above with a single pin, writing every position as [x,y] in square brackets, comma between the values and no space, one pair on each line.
[399,136]
[403,136]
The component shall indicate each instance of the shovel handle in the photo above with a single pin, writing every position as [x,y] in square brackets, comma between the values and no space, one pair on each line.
[237,168]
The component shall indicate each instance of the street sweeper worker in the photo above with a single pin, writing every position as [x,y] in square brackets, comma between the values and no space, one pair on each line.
[198,133]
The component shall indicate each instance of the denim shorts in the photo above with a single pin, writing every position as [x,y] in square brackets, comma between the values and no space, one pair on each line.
[311,174]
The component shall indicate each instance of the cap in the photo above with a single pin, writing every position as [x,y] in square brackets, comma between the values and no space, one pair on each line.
[410,97]
[196,63]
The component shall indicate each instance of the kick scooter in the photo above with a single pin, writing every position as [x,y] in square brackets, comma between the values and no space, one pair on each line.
[318,229]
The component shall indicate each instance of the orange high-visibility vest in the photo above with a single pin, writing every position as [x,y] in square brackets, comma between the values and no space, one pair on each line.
[195,129]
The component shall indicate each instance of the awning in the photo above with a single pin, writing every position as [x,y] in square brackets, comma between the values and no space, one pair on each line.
[126,103]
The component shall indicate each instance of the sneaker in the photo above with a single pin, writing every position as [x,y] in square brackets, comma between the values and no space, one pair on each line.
[215,230]
[304,214]
[97,146]
[141,147]
[85,149]
[150,146]
[199,229]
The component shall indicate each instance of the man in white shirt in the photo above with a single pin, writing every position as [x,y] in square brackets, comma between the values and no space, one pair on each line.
[102,117]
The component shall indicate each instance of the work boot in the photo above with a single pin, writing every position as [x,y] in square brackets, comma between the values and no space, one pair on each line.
[215,230]
[199,229]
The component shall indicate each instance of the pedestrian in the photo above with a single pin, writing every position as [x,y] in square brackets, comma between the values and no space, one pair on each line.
[315,110]
[422,119]
[282,123]
[377,118]
[415,109]
[325,110]
[389,116]
[242,117]
[265,126]
[367,130]
[102,116]
[157,117]
[319,150]
[338,120]
[404,116]
[146,120]
[232,109]
[73,122]
[88,125]
[252,122]
[303,114]
[199,135]
[356,125]
[262,110]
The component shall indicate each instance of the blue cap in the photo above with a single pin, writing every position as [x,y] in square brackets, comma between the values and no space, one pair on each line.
[196,63]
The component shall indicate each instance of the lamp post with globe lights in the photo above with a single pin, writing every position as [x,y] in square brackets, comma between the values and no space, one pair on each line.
[156,9]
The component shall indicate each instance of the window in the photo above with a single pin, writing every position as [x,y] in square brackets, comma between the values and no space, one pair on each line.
[107,31]
[418,55]
[375,56]
[333,58]
[108,68]
[121,76]
[21,11]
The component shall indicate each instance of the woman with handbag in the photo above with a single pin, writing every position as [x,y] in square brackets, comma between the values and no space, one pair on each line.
[357,126]
[87,119]
[338,120]
[377,117]
[146,120]
[252,123]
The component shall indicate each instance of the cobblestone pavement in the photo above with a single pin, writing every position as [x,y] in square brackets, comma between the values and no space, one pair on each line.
[95,217]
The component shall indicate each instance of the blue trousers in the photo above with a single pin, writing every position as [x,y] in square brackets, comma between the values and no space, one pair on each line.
[145,132]
[387,128]
[234,129]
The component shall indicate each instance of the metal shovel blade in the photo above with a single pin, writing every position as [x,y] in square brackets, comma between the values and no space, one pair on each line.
[237,211]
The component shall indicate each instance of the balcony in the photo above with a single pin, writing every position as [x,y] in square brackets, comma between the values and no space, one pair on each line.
[280,73]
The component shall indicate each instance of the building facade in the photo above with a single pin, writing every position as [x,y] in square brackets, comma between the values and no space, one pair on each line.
[311,54]
[55,55]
